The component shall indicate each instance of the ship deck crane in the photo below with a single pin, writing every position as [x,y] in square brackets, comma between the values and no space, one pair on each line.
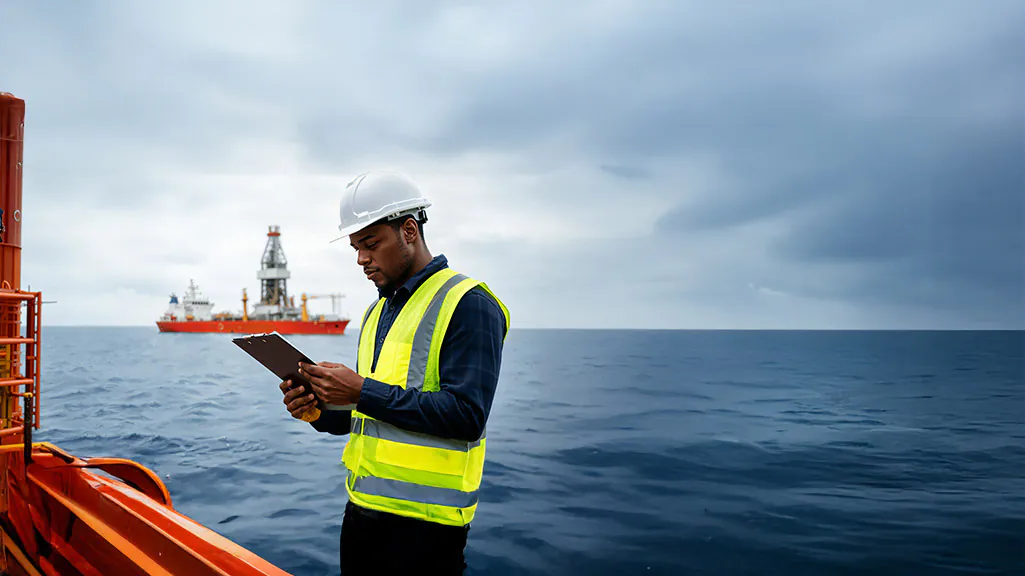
[334,296]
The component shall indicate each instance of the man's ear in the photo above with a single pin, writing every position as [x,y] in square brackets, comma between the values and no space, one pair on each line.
[409,230]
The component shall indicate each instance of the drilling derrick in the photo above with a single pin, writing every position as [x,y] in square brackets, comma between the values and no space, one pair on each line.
[274,311]
[273,276]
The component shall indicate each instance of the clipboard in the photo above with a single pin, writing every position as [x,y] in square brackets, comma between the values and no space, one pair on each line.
[282,359]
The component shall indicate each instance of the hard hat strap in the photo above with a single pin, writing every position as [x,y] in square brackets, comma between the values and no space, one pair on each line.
[419,214]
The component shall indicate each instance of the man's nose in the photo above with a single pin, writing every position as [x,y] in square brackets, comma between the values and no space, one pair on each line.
[362,258]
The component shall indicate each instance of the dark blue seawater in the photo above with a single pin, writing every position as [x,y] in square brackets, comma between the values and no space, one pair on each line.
[609,452]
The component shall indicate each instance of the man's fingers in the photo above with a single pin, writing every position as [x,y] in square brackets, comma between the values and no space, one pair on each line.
[299,403]
[311,369]
[316,380]
[285,385]
[318,388]
[293,394]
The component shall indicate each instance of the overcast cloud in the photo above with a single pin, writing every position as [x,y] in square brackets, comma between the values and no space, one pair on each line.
[665,164]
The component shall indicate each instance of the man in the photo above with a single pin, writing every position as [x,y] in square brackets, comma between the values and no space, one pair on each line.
[426,372]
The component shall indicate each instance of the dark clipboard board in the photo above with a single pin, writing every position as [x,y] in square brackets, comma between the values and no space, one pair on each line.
[282,359]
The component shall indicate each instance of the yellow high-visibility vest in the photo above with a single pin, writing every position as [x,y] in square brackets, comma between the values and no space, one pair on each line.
[410,473]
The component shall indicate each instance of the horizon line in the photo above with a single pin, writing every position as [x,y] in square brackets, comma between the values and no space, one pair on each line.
[628,329]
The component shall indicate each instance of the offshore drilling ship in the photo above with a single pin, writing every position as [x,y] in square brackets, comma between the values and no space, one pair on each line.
[276,310]
[60,514]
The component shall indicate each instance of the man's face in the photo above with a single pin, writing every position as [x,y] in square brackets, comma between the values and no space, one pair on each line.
[383,253]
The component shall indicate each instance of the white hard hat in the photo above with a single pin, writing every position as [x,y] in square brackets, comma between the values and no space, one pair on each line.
[373,196]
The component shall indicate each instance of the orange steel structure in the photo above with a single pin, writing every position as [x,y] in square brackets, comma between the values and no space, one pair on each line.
[63,515]
[256,326]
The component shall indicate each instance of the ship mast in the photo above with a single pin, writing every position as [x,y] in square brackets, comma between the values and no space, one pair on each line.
[274,274]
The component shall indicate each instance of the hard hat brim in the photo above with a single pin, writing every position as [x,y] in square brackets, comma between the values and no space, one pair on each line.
[353,228]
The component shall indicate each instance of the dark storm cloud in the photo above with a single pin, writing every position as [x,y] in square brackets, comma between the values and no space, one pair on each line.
[902,154]
[948,221]
[883,145]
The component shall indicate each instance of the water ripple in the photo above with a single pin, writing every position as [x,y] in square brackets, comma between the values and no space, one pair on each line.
[627,452]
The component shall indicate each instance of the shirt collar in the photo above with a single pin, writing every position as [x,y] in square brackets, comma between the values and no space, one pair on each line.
[439,262]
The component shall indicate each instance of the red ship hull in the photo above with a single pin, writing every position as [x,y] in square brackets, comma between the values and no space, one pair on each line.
[255,326]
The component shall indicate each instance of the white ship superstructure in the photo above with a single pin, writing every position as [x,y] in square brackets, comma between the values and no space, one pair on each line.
[193,306]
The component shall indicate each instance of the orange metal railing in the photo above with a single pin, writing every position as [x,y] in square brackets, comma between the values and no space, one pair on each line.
[59,514]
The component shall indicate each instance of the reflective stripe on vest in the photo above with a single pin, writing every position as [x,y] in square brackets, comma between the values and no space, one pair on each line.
[386,431]
[425,333]
[366,317]
[401,471]
[409,491]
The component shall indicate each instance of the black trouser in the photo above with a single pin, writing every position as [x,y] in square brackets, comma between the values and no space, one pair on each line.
[380,544]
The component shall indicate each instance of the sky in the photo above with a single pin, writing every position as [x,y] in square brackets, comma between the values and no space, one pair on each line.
[599,164]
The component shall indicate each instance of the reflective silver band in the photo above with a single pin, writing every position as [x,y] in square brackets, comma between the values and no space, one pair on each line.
[386,431]
[398,489]
[425,332]
[366,317]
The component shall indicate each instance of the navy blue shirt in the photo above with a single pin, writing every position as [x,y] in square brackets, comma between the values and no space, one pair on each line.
[471,355]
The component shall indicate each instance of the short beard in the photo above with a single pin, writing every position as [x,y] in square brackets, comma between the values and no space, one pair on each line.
[407,255]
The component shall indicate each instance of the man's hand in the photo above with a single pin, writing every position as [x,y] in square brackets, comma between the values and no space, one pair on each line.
[295,401]
[333,383]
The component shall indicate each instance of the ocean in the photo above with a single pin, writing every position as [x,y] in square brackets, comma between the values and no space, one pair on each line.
[609,452]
